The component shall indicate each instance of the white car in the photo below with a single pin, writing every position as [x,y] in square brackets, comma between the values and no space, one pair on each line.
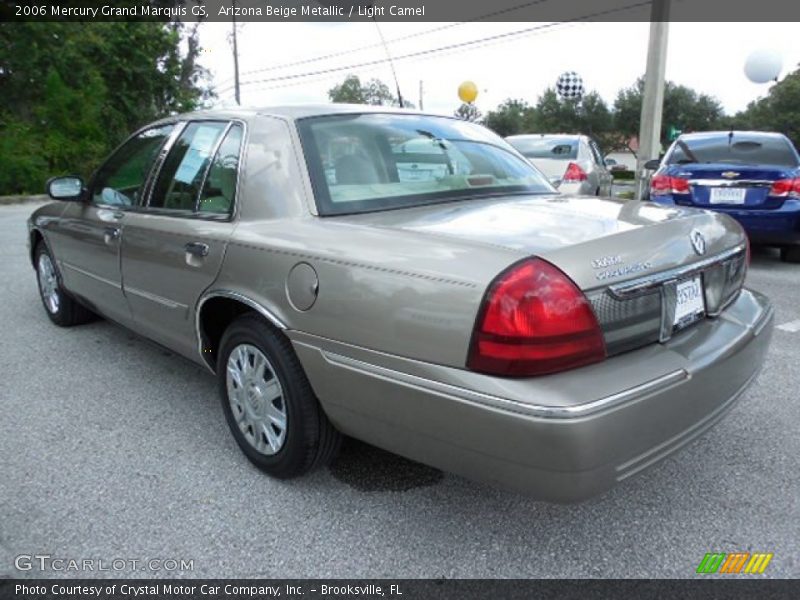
[573,163]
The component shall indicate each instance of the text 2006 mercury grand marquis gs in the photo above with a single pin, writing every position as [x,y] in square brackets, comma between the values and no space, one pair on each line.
[412,281]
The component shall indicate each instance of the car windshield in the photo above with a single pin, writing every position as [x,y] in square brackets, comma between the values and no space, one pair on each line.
[367,162]
[734,148]
[558,148]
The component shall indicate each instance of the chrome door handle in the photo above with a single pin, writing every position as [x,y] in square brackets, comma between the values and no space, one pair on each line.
[197,249]
[111,234]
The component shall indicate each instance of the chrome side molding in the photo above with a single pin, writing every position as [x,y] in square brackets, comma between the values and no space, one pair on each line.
[461,394]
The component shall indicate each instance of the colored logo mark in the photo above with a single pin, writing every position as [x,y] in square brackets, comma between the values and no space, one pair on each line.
[734,562]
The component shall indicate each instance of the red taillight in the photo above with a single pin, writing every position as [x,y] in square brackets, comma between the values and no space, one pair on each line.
[661,185]
[573,173]
[784,188]
[534,320]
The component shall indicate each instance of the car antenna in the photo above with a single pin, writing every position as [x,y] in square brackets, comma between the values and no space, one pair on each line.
[391,62]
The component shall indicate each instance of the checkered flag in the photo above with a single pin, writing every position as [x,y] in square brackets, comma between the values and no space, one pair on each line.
[570,86]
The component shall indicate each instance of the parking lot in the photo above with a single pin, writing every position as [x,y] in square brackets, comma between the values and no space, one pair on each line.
[114,448]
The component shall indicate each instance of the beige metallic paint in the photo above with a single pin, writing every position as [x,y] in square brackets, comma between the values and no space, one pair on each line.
[384,345]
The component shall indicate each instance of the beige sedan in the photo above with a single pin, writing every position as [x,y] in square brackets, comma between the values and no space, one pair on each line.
[412,281]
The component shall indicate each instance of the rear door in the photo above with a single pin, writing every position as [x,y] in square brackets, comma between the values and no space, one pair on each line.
[604,177]
[173,248]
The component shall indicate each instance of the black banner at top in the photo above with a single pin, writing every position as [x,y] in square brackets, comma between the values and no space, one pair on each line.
[401,10]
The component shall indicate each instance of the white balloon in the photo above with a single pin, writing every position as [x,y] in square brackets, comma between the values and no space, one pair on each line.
[763,66]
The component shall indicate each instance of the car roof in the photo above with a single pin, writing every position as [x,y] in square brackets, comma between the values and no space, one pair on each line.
[545,136]
[300,111]
[712,134]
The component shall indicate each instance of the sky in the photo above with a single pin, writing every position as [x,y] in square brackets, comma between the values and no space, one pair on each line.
[708,57]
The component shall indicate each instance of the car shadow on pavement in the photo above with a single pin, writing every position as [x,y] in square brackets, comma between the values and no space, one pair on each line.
[370,469]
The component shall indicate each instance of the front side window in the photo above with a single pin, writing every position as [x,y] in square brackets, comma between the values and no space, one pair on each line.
[183,172]
[733,148]
[121,180]
[367,162]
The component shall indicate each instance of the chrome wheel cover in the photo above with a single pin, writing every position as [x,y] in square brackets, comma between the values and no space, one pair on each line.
[48,283]
[256,399]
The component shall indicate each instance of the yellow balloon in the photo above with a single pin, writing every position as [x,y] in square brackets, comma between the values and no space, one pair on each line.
[467,92]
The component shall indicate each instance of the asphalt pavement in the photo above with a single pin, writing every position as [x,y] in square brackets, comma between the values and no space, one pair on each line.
[115,449]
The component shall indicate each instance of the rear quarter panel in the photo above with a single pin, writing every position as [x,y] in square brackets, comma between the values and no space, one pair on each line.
[401,293]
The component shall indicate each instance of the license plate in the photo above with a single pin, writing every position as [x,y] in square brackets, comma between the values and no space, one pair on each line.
[689,303]
[727,195]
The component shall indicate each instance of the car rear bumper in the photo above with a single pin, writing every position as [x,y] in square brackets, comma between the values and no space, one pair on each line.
[563,437]
[578,188]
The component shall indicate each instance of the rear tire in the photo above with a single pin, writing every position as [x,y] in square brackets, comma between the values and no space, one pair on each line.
[790,254]
[268,402]
[62,309]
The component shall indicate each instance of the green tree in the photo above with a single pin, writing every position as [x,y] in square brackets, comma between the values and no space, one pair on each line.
[512,117]
[468,112]
[352,91]
[778,111]
[684,108]
[589,115]
[73,91]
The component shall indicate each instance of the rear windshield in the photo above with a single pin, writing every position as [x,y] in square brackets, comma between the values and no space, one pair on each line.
[559,148]
[736,149]
[368,162]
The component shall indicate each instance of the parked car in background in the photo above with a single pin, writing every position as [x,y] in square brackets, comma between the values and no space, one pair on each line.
[573,163]
[412,281]
[752,176]
[612,165]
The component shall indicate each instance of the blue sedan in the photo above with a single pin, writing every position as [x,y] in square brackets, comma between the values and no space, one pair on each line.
[752,176]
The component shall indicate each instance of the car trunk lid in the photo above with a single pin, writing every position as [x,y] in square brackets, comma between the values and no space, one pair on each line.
[630,258]
[721,185]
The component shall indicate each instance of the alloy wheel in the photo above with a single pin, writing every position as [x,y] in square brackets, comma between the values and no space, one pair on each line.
[48,283]
[257,399]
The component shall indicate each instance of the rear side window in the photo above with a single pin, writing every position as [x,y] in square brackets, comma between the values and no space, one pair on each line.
[120,181]
[736,149]
[558,148]
[219,189]
[596,152]
[182,175]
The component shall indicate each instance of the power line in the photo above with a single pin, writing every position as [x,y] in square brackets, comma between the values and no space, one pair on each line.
[448,47]
[227,93]
[391,41]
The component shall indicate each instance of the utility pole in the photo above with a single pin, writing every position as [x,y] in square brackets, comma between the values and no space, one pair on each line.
[235,58]
[420,95]
[653,97]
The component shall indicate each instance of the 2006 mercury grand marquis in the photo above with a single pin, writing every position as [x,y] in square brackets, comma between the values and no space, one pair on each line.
[412,281]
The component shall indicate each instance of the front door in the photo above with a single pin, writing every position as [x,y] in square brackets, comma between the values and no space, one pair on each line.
[87,239]
[172,250]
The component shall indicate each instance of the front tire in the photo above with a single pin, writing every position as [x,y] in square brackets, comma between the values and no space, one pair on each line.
[62,309]
[268,402]
[790,254]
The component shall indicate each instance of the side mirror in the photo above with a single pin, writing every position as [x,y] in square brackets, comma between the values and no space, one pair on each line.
[69,189]
[652,164]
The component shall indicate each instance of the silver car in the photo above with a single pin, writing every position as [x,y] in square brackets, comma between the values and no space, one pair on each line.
[573,163]
[412,281]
